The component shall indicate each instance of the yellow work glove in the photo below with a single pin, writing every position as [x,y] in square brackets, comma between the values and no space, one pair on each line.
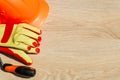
[22,39]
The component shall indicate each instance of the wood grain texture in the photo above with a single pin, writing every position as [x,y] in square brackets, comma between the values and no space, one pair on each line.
[81,41]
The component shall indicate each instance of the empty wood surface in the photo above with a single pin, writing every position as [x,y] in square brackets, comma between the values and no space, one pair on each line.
[81,41]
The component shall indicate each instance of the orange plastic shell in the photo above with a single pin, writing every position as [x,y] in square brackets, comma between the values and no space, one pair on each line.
[33,12]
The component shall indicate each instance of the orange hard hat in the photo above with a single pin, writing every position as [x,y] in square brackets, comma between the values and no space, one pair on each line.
[33,12]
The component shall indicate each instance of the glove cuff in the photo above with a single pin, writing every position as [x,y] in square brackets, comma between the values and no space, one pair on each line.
[7,33]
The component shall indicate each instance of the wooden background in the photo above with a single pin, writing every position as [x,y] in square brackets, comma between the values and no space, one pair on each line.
[81,41]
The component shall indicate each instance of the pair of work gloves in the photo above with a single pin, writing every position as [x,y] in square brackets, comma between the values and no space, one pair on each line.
[20,40]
